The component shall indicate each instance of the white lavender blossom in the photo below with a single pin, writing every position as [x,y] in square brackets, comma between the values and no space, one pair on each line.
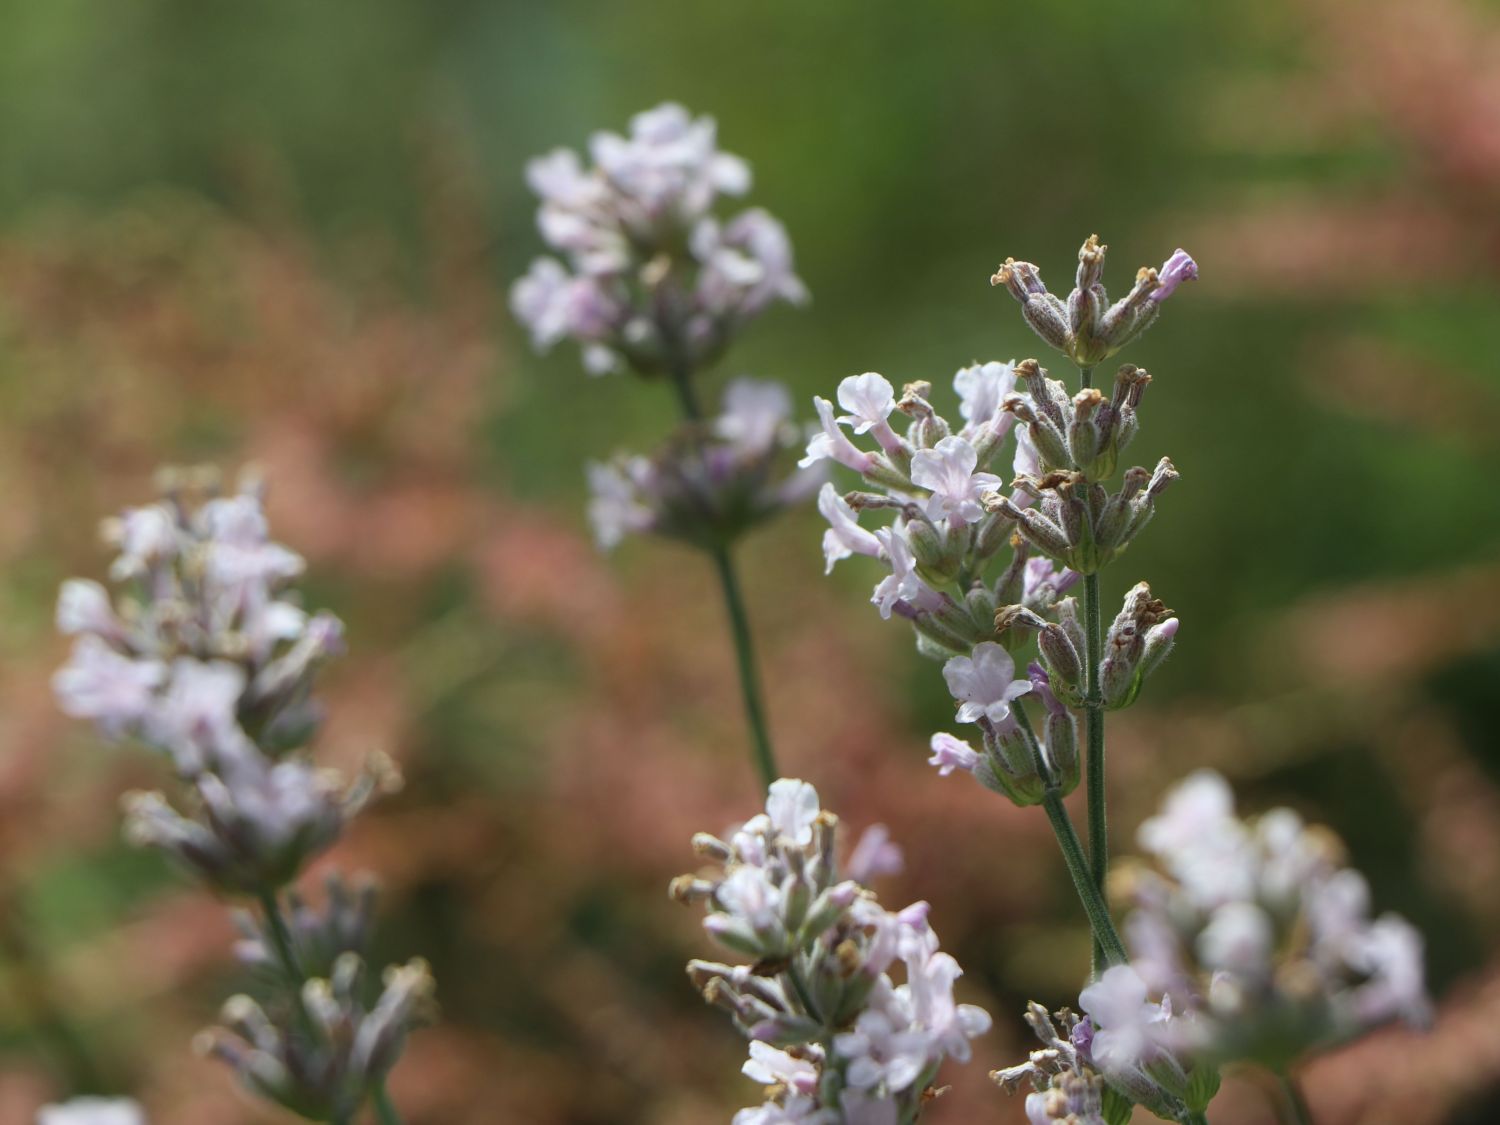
[832,1037]
[1254,940]
[650,277]
[713,482]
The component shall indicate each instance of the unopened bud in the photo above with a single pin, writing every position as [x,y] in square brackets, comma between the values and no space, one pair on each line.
[1064,665]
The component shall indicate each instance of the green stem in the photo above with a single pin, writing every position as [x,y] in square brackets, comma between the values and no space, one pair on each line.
[739,620]
[1299,1113]
[385,1109]
[1093,714]
[744,651]
[1106,937]
[1101,925]
[1093,710]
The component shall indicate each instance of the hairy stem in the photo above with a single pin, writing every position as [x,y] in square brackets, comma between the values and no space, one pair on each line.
[739,620]
[1106,937]
[1093,711]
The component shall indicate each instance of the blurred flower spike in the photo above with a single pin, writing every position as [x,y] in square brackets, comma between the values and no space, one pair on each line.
[713,481]
[207,656]
[649,277]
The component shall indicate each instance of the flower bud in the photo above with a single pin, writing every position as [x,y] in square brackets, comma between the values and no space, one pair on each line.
[1046,314]
[1124,669]
[1064,665]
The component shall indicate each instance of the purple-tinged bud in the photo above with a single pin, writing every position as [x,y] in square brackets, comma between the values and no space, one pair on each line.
[1063,661]
[1090,263]
[1163,476]
[1010,617]
[1158,644]
[1085,440]
[1040,531]
[1115,516]
[1046,314]
[1062,750]
[1067,617]
[1041,686]
[1174,271]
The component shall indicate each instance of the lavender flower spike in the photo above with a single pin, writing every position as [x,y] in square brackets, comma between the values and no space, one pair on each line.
[833,1039]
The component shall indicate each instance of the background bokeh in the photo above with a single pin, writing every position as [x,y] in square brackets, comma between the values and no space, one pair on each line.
[282,232]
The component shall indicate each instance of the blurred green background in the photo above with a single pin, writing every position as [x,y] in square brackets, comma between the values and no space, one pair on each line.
[284,231]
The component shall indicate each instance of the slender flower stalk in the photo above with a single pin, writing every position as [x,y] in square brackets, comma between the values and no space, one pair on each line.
[653,281]
[1093,702]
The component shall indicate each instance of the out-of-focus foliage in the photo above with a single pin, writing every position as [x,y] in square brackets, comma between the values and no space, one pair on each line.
[282,232]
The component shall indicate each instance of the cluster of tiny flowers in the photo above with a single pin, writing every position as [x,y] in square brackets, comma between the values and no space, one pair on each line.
[832,1037]
[1086,327]
[205,655]
[1258,943]
[957,523]
[1065,1086]
[323,1064]
[92,1111]
[650,277]
[712,481]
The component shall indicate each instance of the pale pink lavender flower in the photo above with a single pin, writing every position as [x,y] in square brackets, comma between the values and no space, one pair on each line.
[1128,1029]
[195,719]
[754,415]
[948,470]
[84,606]
[831,443]
[99,683]
[981,388]
[950,753]
[844,536]
[874,855]
[1175,270]
[771,1066]
[984,683]
[616,506]
[146,537]
[903,586]
[869,399]
[653,279]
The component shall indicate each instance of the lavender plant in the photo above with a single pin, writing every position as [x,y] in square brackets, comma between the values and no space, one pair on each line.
[206,656]
[1249,942]
[653,281]
[832,1038]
